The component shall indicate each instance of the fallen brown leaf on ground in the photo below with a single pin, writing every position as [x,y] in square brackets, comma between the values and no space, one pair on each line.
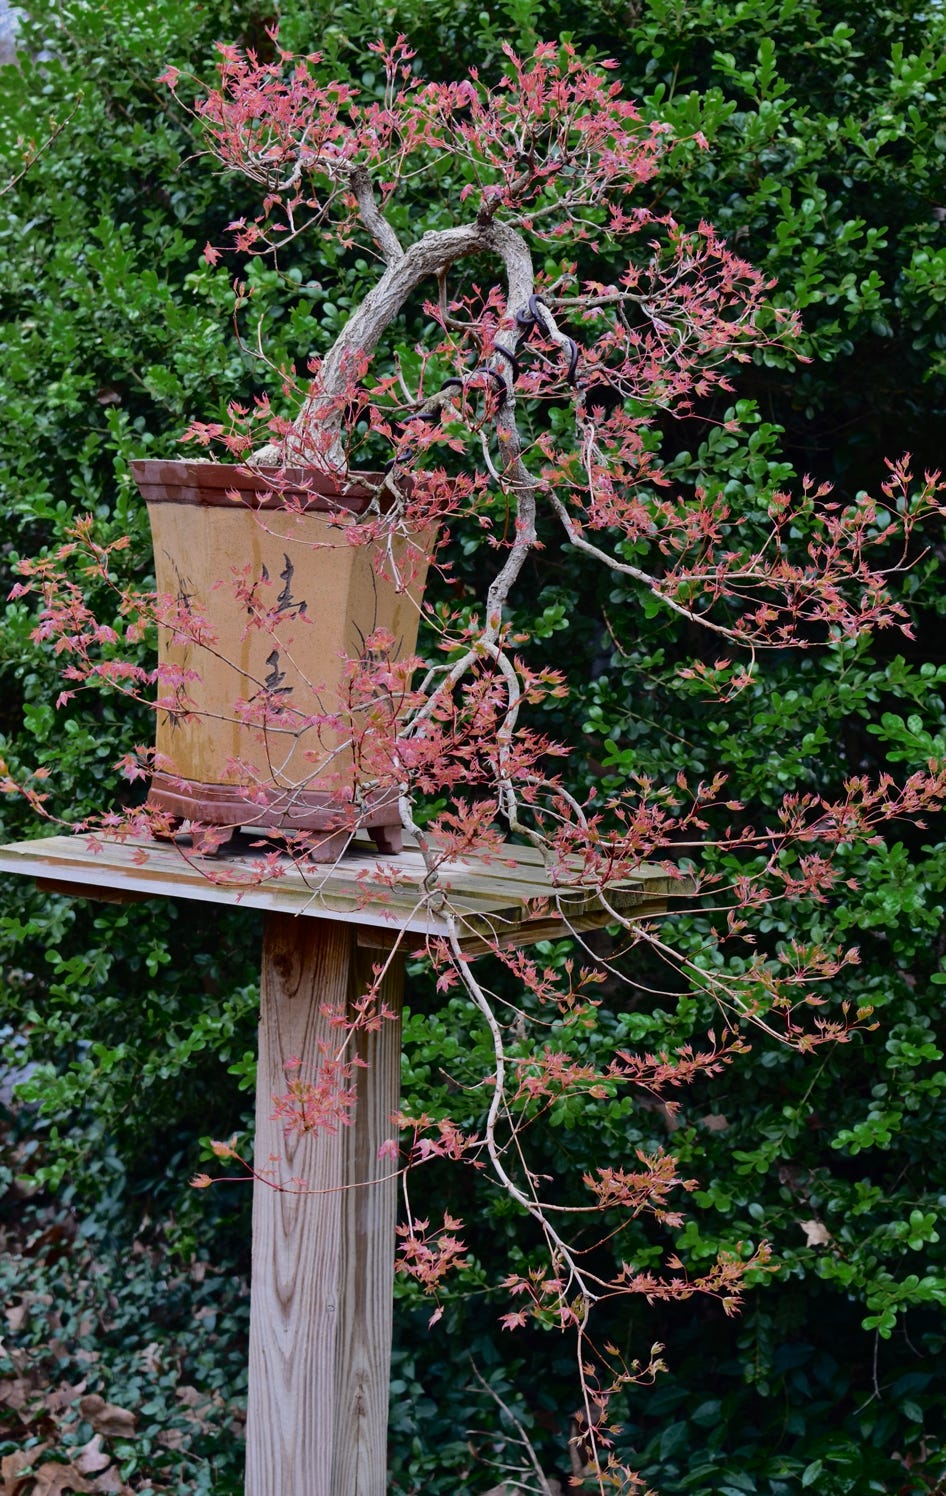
[53,1479]
[13,1465]
[92,1458]
[16,1392]
[107,1418]
[63,1397]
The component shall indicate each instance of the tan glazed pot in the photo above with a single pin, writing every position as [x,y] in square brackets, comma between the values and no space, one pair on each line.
[263,604]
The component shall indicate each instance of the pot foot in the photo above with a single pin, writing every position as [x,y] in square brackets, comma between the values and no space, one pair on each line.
[325,846]
[167,830]
[389,840]
[205,840]
[209,840]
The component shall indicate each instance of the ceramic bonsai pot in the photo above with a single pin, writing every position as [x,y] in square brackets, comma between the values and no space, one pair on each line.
[264,604]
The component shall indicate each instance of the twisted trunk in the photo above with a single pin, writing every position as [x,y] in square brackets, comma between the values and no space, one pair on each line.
[317,430]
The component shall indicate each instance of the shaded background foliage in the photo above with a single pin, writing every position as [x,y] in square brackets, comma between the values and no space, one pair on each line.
[131,1039]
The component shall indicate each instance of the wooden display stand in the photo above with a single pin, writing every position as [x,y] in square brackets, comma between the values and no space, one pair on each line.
[323,1259]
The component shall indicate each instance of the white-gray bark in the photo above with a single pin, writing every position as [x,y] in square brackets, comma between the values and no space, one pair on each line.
[318,427]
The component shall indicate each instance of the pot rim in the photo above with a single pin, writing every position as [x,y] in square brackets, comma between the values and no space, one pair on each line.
[231,486]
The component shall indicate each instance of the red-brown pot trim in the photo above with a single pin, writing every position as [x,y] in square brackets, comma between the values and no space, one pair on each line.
[216,483]
[289,809]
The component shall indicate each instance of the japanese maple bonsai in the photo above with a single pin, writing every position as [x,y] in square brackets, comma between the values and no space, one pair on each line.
[551,157]
[533,400]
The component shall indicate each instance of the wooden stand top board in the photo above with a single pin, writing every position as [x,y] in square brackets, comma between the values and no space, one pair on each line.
[507,897]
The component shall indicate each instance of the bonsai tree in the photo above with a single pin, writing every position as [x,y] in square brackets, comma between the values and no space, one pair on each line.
[539,392]
[568,323]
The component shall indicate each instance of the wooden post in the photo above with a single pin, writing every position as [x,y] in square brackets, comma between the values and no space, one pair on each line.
[323,1260]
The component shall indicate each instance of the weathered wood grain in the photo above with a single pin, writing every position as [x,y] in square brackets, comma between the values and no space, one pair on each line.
[323,1250]
[369,1212]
